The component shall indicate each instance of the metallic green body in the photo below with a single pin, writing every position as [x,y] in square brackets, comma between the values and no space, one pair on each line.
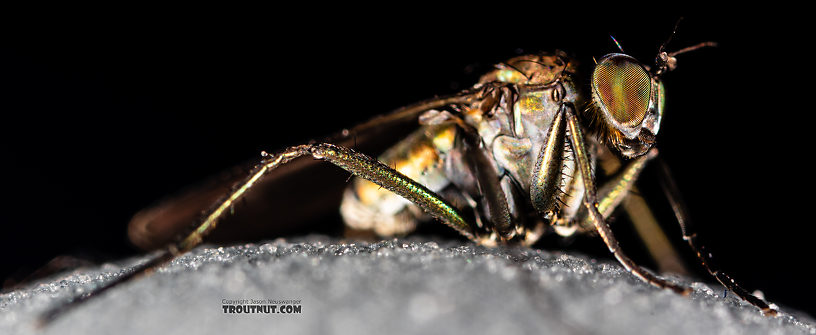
[511,149]
[529,156]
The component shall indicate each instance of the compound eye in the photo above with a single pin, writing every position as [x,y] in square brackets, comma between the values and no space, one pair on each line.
[623,89]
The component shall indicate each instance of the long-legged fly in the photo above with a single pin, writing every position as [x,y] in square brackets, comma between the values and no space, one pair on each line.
[502,162]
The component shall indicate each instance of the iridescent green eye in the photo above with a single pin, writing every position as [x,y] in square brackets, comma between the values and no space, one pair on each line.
[623,88]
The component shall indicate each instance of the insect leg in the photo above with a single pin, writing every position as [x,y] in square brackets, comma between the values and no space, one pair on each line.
[547,176]
[653,237]
[154,227]
[156,261]
[582,160]
[690,235]
[612,194]
[359,164]
[498,210]
[188,243]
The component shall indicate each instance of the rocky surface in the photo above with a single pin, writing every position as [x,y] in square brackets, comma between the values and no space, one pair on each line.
[329,286]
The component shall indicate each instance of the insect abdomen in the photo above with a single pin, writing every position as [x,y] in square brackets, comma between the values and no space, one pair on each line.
[420,156]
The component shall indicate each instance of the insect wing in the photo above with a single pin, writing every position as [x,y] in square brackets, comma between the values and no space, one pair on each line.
[287,199]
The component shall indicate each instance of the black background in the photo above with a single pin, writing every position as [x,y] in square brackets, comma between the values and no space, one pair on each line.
[103,115]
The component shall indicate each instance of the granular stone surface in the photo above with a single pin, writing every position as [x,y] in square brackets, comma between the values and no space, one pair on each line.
[320,285]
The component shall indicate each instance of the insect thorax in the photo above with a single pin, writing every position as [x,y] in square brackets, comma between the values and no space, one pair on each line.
[511,136]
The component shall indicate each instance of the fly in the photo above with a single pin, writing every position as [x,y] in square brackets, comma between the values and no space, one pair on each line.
[502,162]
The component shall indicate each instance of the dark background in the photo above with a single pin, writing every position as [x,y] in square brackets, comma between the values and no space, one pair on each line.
[103,116]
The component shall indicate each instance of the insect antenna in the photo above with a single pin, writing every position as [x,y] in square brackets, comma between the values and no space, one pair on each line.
[674,31]
[693,47]
[666,61]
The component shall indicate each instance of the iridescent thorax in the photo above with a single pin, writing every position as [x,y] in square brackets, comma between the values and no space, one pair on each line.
[511,136]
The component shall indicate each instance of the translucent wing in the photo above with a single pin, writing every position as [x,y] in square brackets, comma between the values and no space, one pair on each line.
[286,200]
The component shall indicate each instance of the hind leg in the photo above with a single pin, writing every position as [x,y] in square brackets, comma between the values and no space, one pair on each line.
[358,164]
